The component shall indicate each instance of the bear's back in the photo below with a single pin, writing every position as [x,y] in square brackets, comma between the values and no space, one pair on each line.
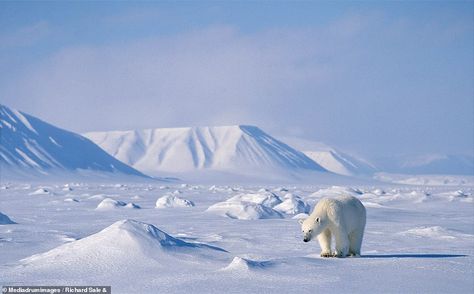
[349,208]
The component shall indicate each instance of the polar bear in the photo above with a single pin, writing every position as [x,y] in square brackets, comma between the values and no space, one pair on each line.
[344,218]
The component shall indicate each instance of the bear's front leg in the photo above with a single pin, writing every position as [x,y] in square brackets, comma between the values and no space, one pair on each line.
[342,244]
[324,240]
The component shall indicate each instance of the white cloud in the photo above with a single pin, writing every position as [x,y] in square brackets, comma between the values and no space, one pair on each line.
[193,78]
[357,81]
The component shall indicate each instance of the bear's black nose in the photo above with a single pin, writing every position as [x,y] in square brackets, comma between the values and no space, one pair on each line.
[305,240]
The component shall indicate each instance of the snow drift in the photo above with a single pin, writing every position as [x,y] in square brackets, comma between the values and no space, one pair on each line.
[121,246]
[245,265]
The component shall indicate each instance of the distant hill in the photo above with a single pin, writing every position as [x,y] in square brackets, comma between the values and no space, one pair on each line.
[446,164]
[332,159]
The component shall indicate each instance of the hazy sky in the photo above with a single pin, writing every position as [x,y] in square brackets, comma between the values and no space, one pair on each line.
[368,77]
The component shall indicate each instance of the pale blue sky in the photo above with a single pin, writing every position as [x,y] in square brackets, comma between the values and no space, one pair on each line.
[370,77]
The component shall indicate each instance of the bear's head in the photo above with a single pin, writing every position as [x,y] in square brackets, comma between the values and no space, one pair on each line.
[311,227]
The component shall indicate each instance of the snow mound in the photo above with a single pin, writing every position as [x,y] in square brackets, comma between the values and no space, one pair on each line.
[120,247]
[132,206]
[249,206]
[41,191]
[378,192]
[461,193]
[263,197]
[292,205]
[5,220]
[245,265]
[110,204]
[244,210]
[173,201]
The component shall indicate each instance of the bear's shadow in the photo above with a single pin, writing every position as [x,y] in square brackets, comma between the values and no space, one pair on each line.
[417,255]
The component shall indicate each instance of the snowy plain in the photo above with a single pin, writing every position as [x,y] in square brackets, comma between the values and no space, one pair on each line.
[418,239]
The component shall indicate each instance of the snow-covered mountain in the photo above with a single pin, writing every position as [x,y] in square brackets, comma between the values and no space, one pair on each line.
[32,147]
[239,149]
[446,164]
[341,163]
[332,159]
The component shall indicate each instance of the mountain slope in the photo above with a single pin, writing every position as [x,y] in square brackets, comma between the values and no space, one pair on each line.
[227,148]
[30,146]
[340,163]
[331,159]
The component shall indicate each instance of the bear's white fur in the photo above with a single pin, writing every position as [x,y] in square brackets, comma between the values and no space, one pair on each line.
[344,218]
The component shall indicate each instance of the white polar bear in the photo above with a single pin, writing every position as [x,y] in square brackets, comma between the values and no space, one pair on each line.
[342,217]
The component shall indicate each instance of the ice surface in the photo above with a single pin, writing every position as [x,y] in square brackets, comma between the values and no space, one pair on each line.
[410,246]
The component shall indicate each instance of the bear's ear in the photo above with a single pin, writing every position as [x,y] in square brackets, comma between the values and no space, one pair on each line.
[301,221]
[318,220]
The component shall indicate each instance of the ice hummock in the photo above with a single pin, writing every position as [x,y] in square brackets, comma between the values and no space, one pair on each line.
[5,219]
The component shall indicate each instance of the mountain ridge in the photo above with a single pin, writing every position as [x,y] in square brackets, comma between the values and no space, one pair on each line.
[332,159]
[222,148]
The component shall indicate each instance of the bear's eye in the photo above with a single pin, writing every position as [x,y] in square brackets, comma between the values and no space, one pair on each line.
[310,231]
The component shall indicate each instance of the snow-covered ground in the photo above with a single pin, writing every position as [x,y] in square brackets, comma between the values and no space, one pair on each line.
[233,239]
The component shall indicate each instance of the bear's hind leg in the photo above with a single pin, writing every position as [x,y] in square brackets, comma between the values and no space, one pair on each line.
[355,239]
[342,244]
[325,243]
